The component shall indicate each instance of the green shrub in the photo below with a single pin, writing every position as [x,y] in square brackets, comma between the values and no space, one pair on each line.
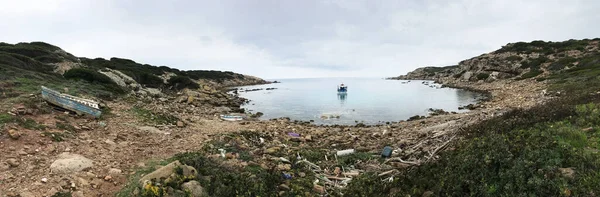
[530,74]
[229,182]
[514,58]
[109,87]
[150,80]
[562,63]
[88,75]
[482,76]
[518,153]
[181,82]
[534,63]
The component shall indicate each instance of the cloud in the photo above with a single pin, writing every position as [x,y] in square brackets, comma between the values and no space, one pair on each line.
[282,39]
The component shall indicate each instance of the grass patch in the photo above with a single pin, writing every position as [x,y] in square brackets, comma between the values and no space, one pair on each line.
[56,136]
[6,118]
[482,76]
[65,126]
[530,74]
[153,117]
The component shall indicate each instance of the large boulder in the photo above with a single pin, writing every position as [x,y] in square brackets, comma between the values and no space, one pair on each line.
[169,171]
[68,163]
[194,188]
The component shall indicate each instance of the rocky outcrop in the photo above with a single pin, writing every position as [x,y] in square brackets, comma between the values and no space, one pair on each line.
[513,61]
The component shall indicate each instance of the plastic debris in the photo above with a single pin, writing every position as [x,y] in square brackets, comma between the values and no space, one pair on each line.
[222,152]
[287,176]
[345,152]
[293,134]
[387,152]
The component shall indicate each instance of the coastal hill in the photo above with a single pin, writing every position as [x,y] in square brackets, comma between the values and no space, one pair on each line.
[539,60]
[39,63]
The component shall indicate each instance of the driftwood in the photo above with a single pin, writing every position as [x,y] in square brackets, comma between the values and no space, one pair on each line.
[398,159]
[387,172]
[439,148]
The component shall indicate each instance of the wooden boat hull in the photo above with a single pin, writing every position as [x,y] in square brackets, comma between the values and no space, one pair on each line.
[78,105]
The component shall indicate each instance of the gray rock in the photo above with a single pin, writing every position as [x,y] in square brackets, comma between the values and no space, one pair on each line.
[68,163]
[567,172]
[151,129]
[26,194]
[467,75]
[194,187]
[167,171]
[12,162]
[77,194]
[115,171]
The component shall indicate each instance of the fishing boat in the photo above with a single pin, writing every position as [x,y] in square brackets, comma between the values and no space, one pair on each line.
[342,88]
[232,117]
[71,103]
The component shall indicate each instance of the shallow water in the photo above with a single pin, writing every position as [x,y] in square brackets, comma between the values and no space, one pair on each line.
[368,101]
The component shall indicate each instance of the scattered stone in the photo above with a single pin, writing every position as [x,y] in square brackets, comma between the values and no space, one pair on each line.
[273,150]
[337,171]
[77,194]
[567,172]
[26,194]
[68,163]
[319,189]
[12,162]
[194,188]
[108,178]
[308,138]
[82,182]
[284,187]
[151,129]
[190,99]
[22,153]
[115,171]
[302,174]
[284,167]
[180,124]
[44,180]
[51,192]
[14,134]
[109,142]
[427,194]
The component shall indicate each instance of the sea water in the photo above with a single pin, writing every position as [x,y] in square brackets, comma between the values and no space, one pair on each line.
[368,100]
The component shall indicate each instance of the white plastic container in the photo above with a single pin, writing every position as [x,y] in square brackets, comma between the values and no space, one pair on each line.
[345,152]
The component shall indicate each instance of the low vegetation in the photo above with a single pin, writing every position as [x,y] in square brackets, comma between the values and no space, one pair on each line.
[154,117]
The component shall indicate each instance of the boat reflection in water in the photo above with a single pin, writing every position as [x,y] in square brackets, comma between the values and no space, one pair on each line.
[342,97]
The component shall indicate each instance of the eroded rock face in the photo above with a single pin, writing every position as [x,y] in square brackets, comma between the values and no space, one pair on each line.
[68,163]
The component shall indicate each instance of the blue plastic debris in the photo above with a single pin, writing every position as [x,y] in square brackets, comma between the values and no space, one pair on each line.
[387,151]
[287,176]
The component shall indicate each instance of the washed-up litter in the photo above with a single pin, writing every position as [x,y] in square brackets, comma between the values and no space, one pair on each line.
[293,134]
[387,151]
[287,176]
[345,152]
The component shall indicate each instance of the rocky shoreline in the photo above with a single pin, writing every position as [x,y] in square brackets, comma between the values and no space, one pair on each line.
[123,140]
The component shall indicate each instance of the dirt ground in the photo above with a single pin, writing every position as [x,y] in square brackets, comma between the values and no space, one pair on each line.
[122,143]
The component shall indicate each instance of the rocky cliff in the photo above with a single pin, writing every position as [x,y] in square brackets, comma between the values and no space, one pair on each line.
[517,61]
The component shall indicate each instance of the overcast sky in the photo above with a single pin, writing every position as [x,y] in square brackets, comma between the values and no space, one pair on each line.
[295,38]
